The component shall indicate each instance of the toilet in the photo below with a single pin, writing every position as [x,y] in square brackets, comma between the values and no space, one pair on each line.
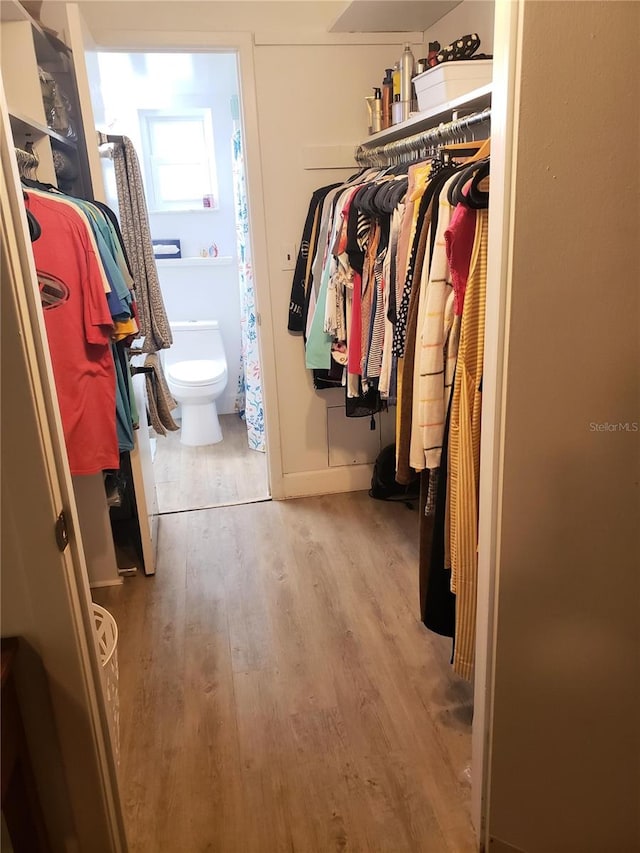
[196,371]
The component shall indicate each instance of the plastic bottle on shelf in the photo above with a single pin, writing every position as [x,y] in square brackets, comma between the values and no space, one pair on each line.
[387,98]
[396,81]
[376,119]
[407,65]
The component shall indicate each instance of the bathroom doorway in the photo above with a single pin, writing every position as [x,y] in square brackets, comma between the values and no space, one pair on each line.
[182,112]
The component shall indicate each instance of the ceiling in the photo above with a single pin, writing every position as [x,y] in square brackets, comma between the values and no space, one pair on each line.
[377,16]
[268,16]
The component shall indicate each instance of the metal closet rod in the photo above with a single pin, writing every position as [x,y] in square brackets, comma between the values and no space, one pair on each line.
[105,138]
[384,154]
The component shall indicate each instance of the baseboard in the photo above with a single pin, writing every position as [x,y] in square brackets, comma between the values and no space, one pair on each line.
[99,584]
[348,478]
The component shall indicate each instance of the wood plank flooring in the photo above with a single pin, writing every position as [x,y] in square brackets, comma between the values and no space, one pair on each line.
[223,473]
[278,693]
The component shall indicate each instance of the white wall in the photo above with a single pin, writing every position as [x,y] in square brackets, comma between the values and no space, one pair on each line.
[307,95]
[136,81]
[209,292]
[471,16]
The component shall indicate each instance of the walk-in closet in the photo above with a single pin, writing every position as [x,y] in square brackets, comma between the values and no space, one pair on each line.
[421,631]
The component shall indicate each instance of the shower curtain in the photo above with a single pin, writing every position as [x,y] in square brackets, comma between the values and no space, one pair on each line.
[249,394]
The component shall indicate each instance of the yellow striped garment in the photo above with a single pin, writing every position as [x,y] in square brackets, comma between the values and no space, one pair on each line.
[464,455]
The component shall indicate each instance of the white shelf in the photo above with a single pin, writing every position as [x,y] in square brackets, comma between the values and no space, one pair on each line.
[180,211]
[476,100]
[220,261]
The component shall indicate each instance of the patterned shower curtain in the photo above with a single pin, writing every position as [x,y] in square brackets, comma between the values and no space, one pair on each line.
[249,395]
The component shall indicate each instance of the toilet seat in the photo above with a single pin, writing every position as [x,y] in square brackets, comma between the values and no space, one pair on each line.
[197,372]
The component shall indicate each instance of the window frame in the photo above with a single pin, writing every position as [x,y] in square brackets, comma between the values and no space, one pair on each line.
[157,204]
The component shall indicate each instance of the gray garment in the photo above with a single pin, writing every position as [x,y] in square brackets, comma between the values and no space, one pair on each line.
[134,223]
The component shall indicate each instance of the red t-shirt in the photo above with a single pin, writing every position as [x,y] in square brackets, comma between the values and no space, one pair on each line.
[79,327]
[459,239]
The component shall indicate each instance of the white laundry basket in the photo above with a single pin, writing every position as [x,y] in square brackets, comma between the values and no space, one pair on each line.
[107,633]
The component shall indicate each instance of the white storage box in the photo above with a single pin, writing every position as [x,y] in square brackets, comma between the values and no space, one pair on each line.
[450,80]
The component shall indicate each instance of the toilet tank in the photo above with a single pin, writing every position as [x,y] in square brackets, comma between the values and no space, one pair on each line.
[194,339]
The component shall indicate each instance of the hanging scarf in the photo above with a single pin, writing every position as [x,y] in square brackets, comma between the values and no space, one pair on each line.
[134,221]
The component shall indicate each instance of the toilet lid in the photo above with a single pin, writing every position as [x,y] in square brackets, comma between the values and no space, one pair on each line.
[200,372]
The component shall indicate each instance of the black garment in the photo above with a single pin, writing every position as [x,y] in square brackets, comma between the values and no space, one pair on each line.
[110,215]
[331,378]
[396,194]
[437,602]
[366,404]
[38,185]
[300,286]
[364,199]
[357,223]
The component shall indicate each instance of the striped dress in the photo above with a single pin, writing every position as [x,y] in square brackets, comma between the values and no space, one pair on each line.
[464,455]
[438,349]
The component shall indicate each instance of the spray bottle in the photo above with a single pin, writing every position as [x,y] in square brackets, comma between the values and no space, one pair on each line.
[407,65]
[387,98]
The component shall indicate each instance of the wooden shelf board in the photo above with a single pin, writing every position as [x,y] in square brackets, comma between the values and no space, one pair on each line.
[24,124]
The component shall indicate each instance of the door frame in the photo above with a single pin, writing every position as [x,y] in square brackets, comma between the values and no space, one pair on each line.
[504,136]
[46,596]
[243,46]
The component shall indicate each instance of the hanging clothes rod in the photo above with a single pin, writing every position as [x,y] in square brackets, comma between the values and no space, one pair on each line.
[106,138]
[417,147]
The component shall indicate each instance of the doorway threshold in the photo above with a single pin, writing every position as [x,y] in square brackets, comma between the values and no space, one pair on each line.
[217,506]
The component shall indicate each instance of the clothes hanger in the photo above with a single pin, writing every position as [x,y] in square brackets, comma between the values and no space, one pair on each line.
[477,198]
[483,152]
[455,195]
[27,160]
[462,149]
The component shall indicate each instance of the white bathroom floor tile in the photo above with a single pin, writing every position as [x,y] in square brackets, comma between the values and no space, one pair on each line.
[196,477]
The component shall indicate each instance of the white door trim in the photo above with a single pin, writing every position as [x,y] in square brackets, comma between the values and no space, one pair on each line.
[504,112]
[243,44]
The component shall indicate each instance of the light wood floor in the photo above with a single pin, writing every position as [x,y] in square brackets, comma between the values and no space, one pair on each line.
[277,692]
[224,473]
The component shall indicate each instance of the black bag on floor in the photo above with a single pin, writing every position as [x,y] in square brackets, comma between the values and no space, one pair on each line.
[384,486]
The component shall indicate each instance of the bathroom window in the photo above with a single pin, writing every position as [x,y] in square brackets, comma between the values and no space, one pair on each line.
[179,159]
